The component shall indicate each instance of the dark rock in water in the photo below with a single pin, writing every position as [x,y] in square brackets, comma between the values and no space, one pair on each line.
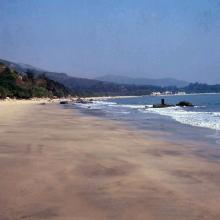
[83,101]
[43,103]
[63,102]
[162,105]
[79,100]
[185,104]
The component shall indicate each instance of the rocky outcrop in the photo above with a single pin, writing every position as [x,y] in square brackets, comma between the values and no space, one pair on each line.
[84,101]
[162,105]
[181,104]
[64,102]
[185,104]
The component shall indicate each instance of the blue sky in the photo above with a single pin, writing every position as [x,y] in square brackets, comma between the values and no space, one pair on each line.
[139,38]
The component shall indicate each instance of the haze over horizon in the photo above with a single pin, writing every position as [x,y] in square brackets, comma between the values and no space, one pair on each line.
[142,38]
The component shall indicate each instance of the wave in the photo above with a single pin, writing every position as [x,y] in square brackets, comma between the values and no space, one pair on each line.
[95,104]
[134,106]
[186,116]
[194,118]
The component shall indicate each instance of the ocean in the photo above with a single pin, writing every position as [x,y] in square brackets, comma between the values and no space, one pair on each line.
[201,122]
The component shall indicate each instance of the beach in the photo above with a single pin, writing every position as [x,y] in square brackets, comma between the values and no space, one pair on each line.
[57,163]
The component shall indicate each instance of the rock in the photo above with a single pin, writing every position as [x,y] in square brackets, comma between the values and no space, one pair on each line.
[162,105]
[83,101]
[79,100]
[185,104]
[63,102]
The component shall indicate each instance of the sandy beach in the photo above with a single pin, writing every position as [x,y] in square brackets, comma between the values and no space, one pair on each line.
[56,163]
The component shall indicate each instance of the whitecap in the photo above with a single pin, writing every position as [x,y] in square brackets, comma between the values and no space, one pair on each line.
[199,119]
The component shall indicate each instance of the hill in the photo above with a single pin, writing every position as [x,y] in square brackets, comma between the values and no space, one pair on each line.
[93,87]
[201,88]
[89,87]
[86,87]
[164,82]
[17,85]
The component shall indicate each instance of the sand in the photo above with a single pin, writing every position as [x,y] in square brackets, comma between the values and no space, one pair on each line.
[58,164]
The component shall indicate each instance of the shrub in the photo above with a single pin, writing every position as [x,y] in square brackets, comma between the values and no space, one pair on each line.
[40,92]
[3,93]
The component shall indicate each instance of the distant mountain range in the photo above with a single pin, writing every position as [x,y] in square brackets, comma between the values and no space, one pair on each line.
[164,82]
[83,86]
[113,85]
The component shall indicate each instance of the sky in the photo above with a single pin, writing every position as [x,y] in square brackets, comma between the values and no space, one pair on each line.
[137,38]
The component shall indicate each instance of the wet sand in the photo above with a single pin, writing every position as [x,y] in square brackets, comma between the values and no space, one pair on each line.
[58,164]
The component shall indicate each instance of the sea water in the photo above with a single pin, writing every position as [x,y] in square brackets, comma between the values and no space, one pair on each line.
[199,122]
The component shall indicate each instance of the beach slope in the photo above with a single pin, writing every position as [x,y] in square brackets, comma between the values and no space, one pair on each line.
[58,164]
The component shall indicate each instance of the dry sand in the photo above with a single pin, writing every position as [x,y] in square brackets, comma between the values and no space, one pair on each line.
[57,164]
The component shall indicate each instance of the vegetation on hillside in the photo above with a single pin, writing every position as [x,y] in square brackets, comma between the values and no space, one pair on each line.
[38,83]
[201,88]
[16,85]
[89,87]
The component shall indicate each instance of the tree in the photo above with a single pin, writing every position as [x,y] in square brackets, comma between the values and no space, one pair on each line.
[3,93]
[30,75]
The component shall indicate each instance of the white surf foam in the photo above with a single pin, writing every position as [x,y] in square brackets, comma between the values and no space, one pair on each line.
[96,104]
[183,115]
[199,119]
[133,106]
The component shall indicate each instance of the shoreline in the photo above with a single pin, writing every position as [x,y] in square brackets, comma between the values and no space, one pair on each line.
[187,94]
[100,98]
[168,129]
[121,97]
[60,164]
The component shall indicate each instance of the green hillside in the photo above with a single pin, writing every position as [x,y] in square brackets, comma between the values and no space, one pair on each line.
[16,85]
[49,84]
